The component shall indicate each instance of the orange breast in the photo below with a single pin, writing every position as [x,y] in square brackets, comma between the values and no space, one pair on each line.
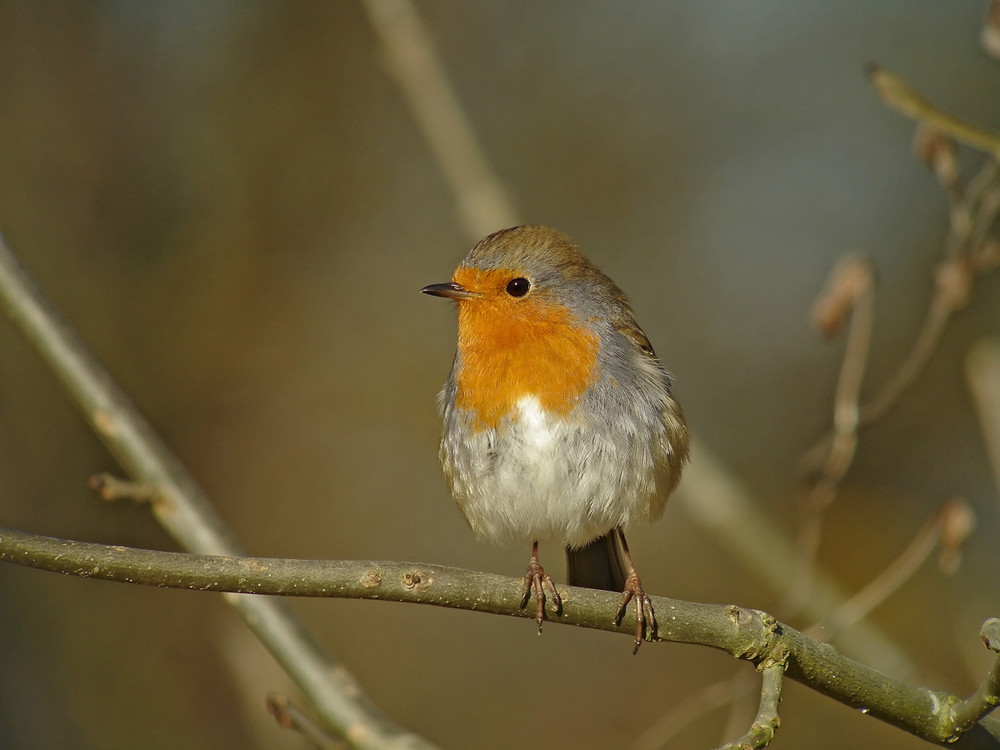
[512,348]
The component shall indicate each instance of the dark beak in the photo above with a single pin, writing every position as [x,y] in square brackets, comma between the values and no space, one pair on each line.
[451,290]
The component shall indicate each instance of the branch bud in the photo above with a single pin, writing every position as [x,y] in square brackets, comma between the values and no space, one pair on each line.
[850,278]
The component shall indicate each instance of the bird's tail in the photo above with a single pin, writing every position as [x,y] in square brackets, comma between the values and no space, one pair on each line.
[598,565]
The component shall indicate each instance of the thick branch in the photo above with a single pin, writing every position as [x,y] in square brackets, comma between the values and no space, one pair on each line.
[745,633]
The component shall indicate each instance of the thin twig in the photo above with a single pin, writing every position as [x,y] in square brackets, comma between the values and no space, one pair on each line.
[290,716]
[848,293]
[968,253]
[766,723]
[856,275]
[951,514]
[989,37]
[897,94]
[950,524]
[971,221]
[693,708]
[717,502]
[987,696]
[112,488]
[982,371]
[906,374]
[185,512]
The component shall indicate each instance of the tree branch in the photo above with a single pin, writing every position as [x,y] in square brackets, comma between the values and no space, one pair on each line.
[987,696]
[182,508]
[290,716]
[982,371]
[949,525]
[746,634]
[849,293]
[412,59]
[766,723]
[897,94]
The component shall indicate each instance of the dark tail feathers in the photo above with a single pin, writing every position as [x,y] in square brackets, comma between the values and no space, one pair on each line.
[598,565]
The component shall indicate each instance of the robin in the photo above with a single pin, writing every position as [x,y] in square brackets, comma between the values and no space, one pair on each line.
[559,424]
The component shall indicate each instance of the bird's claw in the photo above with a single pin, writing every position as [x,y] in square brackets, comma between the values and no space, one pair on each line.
[645,618]
[537,580]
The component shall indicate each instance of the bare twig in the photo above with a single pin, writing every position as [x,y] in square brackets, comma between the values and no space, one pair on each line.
[950,524]
[967,255]
[851,288]
[110,488]
[969,252]
[693,708]
[910,368]
[290,716]
[412,59]
[982,370]
[766,723]
[185,512]
[987,696]
[939,153]
[989,37]
[848,293]
[897,94]
[715,501]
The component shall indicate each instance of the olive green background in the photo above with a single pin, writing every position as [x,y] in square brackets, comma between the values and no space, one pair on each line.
[231,203]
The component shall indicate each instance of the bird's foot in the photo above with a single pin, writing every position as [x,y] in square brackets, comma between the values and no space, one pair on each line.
[645,618]
[538,581]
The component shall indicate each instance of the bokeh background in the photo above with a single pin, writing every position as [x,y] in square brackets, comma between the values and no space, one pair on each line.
[232,205]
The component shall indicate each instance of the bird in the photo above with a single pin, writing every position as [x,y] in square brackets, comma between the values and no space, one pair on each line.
[559,423]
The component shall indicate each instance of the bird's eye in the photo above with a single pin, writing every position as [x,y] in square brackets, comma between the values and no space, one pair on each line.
[518,287]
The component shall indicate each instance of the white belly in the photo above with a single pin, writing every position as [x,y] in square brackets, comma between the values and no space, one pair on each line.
[536,477]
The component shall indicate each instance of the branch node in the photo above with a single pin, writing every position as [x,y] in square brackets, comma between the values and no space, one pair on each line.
[112,488]
[417,579]
[953,280]
[989,37]
[290,716]
[851,278]
[990,633]
[937,151]
[958,521]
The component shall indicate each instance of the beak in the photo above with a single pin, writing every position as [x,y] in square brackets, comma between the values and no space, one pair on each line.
[451,290]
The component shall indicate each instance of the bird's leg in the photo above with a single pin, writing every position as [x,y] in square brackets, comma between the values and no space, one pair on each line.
[537,580]
[645,618]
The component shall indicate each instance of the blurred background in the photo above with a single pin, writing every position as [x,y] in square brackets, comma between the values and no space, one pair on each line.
[233,206]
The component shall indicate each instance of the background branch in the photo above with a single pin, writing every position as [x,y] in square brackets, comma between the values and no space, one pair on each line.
[897,94]
[950,524]
[849,294]
[184,511]
[982,369]
[710,495]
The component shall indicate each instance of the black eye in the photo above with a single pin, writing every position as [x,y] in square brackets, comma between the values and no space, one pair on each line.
[518,287]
